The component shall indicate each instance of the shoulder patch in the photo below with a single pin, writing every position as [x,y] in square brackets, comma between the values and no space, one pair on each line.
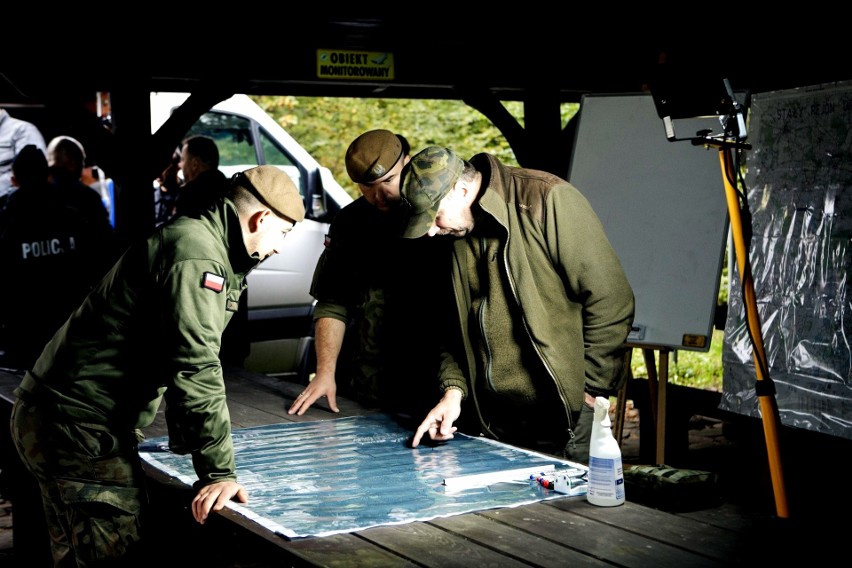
[213,282]
[327,241]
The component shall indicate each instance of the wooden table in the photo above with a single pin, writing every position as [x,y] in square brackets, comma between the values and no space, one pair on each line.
[561,532]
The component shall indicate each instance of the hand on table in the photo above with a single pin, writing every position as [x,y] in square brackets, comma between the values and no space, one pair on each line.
[322,385]
[214,496]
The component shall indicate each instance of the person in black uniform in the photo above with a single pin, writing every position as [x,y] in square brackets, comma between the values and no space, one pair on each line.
[55,244]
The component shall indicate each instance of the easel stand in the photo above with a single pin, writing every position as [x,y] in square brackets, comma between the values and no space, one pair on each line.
[656,391]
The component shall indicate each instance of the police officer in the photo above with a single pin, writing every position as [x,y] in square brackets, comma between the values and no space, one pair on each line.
[56,243]
[151,329]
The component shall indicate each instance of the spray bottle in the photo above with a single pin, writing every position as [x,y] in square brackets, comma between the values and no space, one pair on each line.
[606,473]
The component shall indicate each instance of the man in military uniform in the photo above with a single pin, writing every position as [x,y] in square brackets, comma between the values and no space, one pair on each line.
[357,285]
[151,329]
[542,303]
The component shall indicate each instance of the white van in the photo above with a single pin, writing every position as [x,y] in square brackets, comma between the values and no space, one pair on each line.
[280,305]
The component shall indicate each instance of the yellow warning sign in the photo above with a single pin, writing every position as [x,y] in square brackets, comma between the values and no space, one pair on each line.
[357,65]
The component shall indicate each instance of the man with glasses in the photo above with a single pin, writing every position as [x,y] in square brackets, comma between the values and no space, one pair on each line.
[150,330]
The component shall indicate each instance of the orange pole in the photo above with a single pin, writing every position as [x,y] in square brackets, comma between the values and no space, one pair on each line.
[768,404]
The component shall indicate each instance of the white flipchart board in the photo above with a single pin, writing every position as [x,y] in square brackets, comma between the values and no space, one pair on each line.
[663,207]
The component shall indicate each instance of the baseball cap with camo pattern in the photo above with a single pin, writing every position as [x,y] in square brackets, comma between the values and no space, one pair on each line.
[432,172]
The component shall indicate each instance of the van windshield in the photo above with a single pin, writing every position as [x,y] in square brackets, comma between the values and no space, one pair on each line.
[237,148]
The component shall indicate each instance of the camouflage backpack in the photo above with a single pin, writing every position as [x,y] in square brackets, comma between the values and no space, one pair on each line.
[668,488]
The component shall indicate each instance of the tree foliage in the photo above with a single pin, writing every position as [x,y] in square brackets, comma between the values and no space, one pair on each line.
[325,126]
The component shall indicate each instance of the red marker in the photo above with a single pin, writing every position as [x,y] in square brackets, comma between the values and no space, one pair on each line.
[544,481]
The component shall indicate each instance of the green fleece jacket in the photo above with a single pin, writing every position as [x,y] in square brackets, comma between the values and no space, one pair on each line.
[567,280]
[153,328]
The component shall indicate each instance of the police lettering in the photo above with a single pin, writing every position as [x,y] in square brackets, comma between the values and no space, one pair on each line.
[48,247]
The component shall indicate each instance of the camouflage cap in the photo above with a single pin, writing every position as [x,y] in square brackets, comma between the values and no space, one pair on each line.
[432,173]
[275,189]
[372,155]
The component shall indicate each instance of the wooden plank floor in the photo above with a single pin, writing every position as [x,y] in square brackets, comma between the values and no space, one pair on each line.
[740,530]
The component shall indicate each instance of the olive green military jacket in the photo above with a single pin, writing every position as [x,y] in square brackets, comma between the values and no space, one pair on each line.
[564,275]
[153,328]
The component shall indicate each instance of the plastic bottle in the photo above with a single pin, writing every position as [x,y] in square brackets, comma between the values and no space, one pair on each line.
[606,473]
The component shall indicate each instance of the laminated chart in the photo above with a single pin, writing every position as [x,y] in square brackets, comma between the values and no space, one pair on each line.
[333,476]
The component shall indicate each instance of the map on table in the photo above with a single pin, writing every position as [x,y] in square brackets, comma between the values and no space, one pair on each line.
[334,476]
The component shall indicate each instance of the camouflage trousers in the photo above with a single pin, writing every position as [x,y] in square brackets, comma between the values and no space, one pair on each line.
[92,486]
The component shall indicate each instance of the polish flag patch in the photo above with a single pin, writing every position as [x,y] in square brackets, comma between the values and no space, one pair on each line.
[213,282]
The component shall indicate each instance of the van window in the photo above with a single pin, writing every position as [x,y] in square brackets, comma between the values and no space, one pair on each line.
[237,152]
[274,155]
[232,135]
